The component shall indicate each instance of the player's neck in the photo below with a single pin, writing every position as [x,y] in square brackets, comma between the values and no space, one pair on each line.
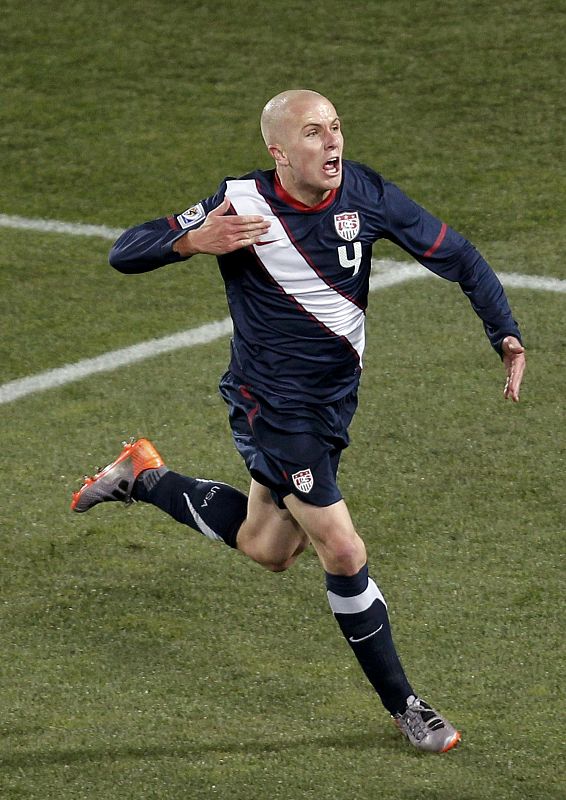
[301,198]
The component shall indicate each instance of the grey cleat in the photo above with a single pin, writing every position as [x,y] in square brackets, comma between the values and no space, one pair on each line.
[425,728]
[116,481]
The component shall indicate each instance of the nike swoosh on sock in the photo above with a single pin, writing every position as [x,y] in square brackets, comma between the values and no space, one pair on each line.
[362,638]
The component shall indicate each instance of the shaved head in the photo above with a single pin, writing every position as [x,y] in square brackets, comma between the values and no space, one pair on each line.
[303,135]
[276,112]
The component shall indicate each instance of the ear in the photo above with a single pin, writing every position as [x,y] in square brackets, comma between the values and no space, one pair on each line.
[279,156]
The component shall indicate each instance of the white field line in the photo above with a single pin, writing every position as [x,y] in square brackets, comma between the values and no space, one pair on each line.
[385,273]
[113,360]
[514,280]
[55,226]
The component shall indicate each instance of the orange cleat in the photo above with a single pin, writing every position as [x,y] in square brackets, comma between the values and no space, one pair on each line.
[116,481]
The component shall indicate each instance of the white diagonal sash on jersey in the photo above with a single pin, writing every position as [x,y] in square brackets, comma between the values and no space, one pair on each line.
[294,274]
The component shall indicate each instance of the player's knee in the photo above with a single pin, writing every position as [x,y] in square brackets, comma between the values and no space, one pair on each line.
[347,554]
[284,562]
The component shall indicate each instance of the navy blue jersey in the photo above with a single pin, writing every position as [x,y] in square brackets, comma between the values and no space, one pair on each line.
[298,297]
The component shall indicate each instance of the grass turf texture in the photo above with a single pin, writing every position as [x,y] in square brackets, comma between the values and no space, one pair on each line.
[139,660]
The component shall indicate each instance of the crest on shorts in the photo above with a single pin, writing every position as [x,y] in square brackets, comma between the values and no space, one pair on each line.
[303,480]
[191,216]
[347,225]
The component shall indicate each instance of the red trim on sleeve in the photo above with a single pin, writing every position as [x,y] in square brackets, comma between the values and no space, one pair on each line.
[438,242]
[173,223]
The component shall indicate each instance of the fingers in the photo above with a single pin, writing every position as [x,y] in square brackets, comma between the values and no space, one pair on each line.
[224,233]
[244,233]
[515,363]
[514,380]
[221,209]
[248,225]
[238,220]
[238,231]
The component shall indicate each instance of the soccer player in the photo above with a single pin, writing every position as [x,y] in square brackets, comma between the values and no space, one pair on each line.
[294,248]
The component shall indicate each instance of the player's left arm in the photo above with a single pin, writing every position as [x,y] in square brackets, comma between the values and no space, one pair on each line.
[448,254]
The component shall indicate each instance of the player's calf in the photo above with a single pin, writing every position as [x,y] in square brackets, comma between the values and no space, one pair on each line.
[212,508]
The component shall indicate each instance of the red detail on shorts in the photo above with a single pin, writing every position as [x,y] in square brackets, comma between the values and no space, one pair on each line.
[438,242]
[251,414]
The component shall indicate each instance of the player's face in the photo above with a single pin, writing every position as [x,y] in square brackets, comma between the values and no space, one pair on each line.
[311,151]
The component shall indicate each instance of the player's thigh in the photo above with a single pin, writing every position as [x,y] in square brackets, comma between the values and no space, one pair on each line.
[331,531]
[270,533]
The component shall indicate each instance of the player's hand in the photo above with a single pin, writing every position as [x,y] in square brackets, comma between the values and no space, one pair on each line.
[221,234]
[514,363]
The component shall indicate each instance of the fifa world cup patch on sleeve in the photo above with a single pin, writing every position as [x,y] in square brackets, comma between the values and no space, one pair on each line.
[303,480]
[191,216]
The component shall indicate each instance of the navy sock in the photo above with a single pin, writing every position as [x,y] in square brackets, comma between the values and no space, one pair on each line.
[361,612]
[209,507]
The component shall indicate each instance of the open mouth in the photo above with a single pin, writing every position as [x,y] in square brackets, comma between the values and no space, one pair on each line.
[332,166]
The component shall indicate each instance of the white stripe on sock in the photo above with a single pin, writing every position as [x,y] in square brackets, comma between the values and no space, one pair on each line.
[354,605]
[203,527]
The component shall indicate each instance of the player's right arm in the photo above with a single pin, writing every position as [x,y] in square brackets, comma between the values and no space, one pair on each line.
[169,239]
[220,234]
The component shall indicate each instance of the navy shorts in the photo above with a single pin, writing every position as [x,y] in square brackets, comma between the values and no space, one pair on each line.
[290,447]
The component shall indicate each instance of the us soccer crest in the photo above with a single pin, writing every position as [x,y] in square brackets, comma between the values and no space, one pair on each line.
[303,480]
[347,225]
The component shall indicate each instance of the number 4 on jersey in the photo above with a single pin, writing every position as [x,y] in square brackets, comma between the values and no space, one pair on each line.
[347,262]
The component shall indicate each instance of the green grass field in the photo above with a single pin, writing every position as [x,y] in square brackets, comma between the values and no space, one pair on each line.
[138,660]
